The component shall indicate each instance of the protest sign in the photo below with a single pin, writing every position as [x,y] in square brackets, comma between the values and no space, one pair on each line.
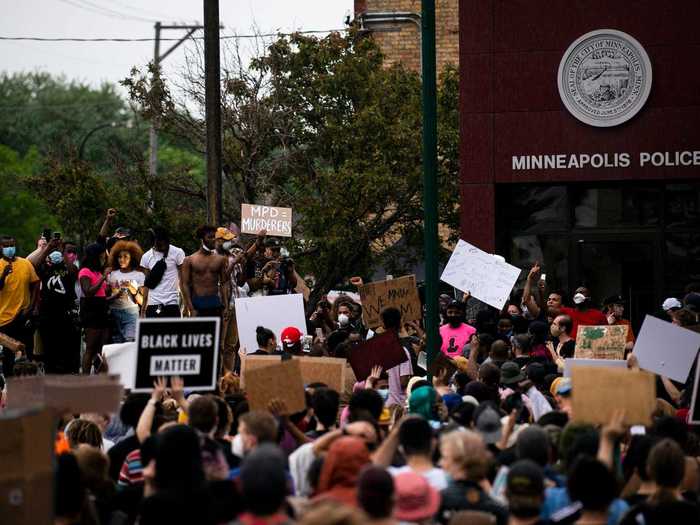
[187,347]
[400,293]
[666,349]
[26,477]
[275,312]
[277,221]
[121,361]
[278,380]
[328,370]
[384,350]
[482,274]
[570,363]
[601,342]
[66,393]
[597,392]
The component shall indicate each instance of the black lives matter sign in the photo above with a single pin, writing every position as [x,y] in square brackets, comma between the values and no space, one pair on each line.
[177,347]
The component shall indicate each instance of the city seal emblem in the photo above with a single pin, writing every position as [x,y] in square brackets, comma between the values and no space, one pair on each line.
[604,78]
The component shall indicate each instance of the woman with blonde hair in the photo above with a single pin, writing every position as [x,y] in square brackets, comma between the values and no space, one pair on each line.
[127,284]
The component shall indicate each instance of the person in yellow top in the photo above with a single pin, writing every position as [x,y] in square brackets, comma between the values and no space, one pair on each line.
[18,294]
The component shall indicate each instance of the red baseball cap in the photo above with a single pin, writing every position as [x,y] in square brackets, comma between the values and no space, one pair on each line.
[290,336]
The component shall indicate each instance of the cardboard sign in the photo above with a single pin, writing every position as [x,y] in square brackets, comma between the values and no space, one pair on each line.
[66,393]
[26,477]
[570,363]
[187,347]
[275,312]
[399,293]
[328,370]
[384,350]
[121,361]
[281,380]
[277,221]
[666,349]
[597,392]
[601,342]
[441,361]
[482,274]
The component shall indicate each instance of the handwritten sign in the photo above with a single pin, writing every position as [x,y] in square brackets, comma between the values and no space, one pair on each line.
[483,275]
[400,293]
[277,221]
[601,342]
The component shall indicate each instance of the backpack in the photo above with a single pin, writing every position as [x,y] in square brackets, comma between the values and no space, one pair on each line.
[157,272]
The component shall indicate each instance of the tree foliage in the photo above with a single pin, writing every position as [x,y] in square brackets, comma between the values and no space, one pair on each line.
[322,126]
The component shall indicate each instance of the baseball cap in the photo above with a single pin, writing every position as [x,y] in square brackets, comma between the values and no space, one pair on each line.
[511,373]
[671,303]
[525,480]
[488,424]
[416,500]
[692,301]
[290,336]
[224,233]
[122,232]
[613,299]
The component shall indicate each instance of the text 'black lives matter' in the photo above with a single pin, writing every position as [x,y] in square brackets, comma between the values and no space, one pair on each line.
[177,347]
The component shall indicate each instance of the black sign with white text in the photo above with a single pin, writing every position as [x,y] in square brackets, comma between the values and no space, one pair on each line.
[185,347]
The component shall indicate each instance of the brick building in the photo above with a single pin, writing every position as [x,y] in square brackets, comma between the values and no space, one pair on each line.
[395,26]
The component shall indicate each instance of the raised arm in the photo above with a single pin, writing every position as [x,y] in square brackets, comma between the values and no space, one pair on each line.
[530,283]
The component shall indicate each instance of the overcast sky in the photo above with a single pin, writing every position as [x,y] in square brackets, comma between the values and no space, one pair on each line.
[110,61]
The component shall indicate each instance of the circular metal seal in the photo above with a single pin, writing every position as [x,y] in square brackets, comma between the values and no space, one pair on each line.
[604,78]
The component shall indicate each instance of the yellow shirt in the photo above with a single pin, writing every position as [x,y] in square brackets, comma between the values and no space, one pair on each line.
[15,295]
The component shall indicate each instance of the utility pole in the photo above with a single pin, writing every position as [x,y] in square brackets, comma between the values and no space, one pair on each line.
[430,223]
[157,59]
[212,88]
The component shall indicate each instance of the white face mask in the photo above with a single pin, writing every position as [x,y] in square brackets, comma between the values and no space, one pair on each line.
[579,298]
[237,446]
[343,320]
[227,245]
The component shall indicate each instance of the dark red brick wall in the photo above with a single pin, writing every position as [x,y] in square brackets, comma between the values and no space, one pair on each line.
[509,56]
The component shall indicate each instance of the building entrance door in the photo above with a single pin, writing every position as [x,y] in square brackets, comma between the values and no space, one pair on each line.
[625,264]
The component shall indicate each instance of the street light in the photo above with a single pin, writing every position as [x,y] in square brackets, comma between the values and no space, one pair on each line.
[81,150]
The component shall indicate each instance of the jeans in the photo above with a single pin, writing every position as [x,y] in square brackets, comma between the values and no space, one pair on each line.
[125,320]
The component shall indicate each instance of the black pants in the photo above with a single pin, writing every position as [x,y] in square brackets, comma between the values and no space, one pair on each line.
[17,329]
[168,310]
[61,339]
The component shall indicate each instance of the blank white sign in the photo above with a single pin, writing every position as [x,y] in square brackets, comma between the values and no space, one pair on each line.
[610,363]
[666,349]
[121,360]
[275,312]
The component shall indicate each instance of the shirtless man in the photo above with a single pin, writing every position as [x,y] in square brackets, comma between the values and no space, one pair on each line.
[205,279]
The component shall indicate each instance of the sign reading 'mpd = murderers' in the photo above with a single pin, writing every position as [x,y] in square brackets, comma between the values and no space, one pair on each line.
[177,347]
[277,221]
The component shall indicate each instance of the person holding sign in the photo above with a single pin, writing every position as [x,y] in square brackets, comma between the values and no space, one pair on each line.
[205,278]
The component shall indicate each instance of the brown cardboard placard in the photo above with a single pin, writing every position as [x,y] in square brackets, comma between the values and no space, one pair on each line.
[256,217]
[399,293]
[281,380]
[26,477]
[328,370]
[98,393]
[384,350]
[601,342]
[597,392]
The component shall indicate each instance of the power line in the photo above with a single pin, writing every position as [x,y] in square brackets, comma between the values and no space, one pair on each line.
[104,11]
[117,39]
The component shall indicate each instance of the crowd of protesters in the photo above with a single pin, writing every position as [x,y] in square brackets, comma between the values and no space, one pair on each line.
[493,442]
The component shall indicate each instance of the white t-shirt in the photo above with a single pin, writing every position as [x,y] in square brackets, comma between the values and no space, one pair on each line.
[167,290]
[119,279]
[435,477]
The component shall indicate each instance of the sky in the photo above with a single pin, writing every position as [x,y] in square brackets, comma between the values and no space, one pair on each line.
[95,63]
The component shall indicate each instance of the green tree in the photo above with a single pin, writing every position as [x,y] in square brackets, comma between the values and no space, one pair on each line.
[322,126]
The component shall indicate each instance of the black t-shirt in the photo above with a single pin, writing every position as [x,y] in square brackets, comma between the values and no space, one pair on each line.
[662,513]
[57,290]
[567,349]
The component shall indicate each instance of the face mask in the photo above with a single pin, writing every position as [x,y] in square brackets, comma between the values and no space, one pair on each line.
[209,250]
[454,321]
[8,251]
[579,298]
[384,392]
[56,257]
[71,258]
[237,446]
[343,320]
[227,245]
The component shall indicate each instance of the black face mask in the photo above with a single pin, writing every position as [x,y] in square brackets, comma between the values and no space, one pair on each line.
[454,320]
